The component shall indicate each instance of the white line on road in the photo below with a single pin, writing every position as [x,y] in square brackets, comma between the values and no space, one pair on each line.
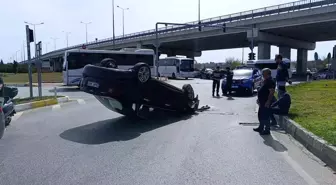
[81,101]
[56,107]
[297,167]
[17,116]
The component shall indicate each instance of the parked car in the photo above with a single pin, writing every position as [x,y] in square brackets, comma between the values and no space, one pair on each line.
[206,73]
[245,80]
[325,73]
[134,93]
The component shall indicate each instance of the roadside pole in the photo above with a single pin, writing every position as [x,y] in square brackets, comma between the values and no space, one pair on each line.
[30,38]
[39,66]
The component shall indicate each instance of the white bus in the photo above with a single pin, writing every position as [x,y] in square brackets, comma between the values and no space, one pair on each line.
[176,67]
[76,59]
[271,64]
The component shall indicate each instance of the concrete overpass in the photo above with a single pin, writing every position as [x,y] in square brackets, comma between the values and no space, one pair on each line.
[297,25]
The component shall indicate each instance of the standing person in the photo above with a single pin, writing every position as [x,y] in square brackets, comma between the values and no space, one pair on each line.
[282,76]
[216,77]
[228,85]
[265,98]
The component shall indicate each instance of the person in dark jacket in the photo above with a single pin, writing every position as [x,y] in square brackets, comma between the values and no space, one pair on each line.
[216,77]
[265,98]
[282,75]
[280,107]
[228,85]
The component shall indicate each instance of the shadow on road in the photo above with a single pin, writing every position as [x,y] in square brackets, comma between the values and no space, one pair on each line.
[276,145]
[118,129]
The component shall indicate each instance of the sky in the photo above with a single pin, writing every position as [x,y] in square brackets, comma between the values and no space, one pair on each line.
[60,16]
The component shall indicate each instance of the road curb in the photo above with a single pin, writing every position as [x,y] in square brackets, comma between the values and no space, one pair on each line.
[315,144]
[42,103]
[20,85]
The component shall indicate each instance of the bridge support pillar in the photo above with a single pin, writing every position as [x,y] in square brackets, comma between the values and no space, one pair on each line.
[301,66]
[285,51]
[264,50]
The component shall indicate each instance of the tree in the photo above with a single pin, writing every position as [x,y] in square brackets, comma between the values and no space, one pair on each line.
[329,57]
[15,67]
[316,57]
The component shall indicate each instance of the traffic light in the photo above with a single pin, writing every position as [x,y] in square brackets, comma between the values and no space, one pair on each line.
[199,26]
[31,35]
[224,27]
[251,56]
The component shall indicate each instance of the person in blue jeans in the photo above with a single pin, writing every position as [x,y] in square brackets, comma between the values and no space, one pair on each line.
[265,97]
[282,76]
[280,107]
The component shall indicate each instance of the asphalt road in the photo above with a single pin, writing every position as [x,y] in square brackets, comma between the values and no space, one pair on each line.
[82,142]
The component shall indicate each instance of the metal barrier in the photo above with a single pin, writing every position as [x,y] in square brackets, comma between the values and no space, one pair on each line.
[251,14]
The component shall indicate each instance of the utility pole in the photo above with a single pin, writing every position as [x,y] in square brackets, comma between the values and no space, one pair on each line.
[113,24]
[34,33]
[46,47]
[29,40]
[67,37]
[54,38]
[123,18]
[86,32]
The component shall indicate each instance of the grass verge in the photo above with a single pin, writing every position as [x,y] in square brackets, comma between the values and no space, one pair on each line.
[23,78]
[314,108]
[28,100]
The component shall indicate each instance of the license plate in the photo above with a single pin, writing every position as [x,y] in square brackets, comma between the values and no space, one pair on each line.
[93,84]
[234,86]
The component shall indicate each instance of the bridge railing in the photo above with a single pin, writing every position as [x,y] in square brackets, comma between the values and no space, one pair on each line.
[246,15]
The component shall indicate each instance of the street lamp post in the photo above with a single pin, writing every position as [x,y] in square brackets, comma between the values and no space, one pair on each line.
[86,24]
[16,57]
[46,47]
[54,38]
[113,24]
[34,33]
[67,37]
[123,18]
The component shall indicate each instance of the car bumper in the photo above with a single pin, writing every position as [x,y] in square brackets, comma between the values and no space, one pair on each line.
[238,87]
[99,87]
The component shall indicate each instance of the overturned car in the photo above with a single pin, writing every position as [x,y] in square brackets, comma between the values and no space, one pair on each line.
[133,92]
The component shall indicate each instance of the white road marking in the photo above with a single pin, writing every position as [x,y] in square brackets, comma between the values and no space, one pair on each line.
[297,167]
[81,101]
[56,107]
[17,116]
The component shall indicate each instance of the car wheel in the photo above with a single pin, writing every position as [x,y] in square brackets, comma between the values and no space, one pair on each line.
[143,72]
[2,126]
[108,63]
[7,121]
[188,91]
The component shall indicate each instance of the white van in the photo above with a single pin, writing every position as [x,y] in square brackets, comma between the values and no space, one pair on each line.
[176,67]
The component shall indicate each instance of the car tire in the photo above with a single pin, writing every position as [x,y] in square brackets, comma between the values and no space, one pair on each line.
[108,63]
[188,91]
[143,72]
[7,121]
[2,126]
